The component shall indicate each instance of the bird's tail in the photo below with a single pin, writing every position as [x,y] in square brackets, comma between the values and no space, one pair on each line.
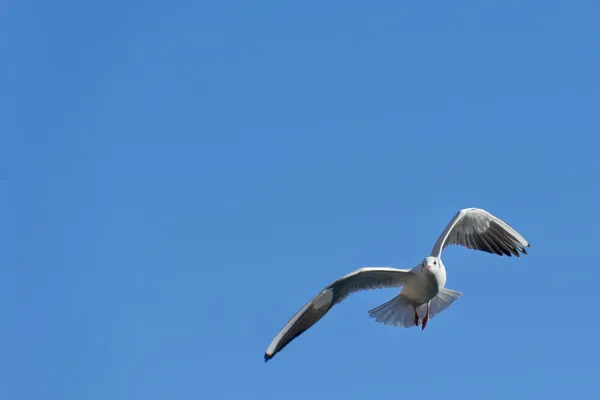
[444,298]
[399,311]
[396,312]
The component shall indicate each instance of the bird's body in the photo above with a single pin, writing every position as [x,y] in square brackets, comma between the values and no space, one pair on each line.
[423,293]
[425,284]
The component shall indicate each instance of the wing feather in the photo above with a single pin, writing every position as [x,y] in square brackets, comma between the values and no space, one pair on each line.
[477,229]
[336,292]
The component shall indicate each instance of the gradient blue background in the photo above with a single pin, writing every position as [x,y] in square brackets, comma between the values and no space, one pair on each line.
[180,177]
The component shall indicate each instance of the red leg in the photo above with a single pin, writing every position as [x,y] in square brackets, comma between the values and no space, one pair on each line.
[426,317]
[416,318]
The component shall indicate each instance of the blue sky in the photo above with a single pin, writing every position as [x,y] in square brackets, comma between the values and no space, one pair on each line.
[179,178]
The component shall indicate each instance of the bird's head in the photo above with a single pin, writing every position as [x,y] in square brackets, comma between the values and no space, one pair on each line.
[430,264]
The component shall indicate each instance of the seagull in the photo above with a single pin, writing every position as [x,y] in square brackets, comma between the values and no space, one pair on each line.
[423,286]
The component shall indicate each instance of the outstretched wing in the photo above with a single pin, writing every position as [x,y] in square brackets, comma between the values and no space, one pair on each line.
[477,229]
[314,310]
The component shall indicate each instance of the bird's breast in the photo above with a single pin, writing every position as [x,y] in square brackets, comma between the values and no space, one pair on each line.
[422,288]
[440,276]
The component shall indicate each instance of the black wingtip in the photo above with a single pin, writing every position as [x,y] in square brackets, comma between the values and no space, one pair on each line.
[268,357]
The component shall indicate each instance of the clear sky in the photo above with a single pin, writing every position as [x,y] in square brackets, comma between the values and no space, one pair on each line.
[180,177]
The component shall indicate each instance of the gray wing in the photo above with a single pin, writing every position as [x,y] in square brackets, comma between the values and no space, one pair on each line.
[477,229]
[314,310]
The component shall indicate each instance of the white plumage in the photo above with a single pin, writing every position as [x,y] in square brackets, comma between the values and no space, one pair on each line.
[423,293]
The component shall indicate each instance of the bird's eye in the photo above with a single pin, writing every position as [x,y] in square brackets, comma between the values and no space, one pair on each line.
[435,263]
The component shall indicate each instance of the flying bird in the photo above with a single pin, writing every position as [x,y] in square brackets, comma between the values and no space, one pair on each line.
[423,287]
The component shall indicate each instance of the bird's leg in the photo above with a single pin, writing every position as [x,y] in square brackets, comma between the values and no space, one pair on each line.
[416,316]
[426,318]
